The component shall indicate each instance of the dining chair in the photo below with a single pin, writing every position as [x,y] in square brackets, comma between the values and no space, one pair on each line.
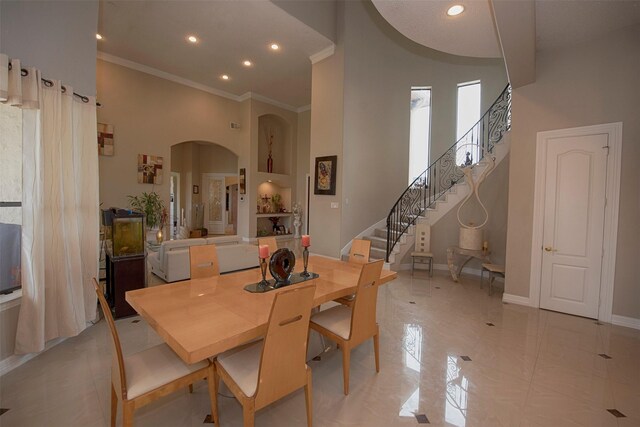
[203,261]
[359,252]
[269,241]
[351,326]
[150,374]
[422,250]
[261,373]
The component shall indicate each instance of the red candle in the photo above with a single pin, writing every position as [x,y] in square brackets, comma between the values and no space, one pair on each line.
[306,241]
[263,251]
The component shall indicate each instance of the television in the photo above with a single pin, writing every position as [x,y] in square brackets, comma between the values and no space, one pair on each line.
[10,255]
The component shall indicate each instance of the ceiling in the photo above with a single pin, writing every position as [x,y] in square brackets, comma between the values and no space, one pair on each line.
[153,34]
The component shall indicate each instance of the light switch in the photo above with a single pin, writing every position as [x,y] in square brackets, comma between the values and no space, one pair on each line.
[334,205]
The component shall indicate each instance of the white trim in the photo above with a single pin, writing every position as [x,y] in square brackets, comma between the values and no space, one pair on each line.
[190,83]
[629,322]
[10,363]
[323,54]
[10,300]
[614,130]
[517,299]
[304,108]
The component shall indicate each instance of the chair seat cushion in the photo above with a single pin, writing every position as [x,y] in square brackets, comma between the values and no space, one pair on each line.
[243,366]
[494,268]
[335,319]
[422,254]
[155,367]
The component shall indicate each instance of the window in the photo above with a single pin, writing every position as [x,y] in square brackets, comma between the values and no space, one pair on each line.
[10,197]
[419,133]
[468,115]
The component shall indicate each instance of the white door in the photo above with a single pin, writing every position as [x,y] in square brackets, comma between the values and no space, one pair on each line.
[574,206]
[214,198]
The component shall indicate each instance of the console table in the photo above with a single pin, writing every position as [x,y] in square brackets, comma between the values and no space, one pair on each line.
[458,257]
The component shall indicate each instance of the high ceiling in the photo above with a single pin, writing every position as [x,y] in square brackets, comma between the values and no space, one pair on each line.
[153,33]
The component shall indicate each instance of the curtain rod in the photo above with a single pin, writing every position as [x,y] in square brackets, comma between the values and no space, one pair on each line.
[49,83]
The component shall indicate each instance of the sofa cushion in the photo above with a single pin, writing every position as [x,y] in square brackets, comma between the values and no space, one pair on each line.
[223,240]
[172,245]
[237,257]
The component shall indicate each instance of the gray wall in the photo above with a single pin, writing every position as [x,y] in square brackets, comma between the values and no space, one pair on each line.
[380,67]
[588,84]
[58,37]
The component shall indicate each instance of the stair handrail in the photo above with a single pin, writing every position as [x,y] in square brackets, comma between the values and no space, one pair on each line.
[444,173]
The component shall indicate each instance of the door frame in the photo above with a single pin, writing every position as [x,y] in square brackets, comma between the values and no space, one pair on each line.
[612,197]
[202,196]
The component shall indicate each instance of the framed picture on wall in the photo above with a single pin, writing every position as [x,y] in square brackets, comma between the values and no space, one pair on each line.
[325,181]
[242,181]
[196,189]
[149,169]
[105,139]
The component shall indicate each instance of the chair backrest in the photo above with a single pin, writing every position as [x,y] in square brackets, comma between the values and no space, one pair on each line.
[283,365]
[203,260]
[269,241]
[363,313]
[118,375]
[359,253]
[423,238]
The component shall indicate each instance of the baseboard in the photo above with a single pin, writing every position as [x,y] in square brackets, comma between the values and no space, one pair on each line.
[516,299]
[629,322]
[445,267]
[10,363]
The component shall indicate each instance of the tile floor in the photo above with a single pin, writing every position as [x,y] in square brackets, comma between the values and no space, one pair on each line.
[531,368]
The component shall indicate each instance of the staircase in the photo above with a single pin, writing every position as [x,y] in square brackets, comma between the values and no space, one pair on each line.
[441,186]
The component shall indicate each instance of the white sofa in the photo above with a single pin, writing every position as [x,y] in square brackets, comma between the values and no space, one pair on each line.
[171,261]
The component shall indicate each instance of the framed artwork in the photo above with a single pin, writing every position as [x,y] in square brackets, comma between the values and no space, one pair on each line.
[105,139]
[149,169]
[242,181]
[325,182]
[196,189]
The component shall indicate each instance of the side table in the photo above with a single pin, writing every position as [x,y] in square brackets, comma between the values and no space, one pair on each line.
[458,257]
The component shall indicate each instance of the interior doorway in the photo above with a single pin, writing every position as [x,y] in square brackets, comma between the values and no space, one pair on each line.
[174,204]
[575,220]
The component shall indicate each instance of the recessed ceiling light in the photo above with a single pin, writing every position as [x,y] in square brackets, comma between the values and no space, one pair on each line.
[456,9]
[269,180]
[224,77]
[247,63]
[192,39]
[99,36]
[274,46]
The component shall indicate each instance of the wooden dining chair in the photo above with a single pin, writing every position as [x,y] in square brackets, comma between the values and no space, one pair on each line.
[359,252]
[261,373]
[269,241]
[203,260]
[150,374]
[351,326]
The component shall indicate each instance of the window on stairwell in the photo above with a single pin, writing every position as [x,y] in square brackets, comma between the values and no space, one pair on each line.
[420,131]
[468,115]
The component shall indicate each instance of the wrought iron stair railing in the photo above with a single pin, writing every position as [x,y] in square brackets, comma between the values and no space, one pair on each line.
[444,173]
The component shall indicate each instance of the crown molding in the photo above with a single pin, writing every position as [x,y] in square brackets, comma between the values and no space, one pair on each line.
[190,83]
[323,54]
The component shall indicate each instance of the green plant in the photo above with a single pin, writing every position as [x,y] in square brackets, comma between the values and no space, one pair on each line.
[151,205]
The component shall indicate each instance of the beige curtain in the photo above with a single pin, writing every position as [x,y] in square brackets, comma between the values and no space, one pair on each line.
[60,215]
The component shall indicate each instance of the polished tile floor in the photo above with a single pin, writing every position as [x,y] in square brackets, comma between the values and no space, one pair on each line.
[521,367]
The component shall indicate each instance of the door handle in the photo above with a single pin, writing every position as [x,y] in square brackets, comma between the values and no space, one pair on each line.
[548,249]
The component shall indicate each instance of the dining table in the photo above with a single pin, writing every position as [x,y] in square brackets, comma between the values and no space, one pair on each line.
[202,318]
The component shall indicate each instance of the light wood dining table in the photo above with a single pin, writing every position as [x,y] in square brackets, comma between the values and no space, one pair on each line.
[201,318]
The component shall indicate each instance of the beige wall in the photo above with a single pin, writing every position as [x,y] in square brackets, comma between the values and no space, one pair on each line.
[302,160]
[327,93]
[380,67]
[58,37]
[150,115]
[588,84]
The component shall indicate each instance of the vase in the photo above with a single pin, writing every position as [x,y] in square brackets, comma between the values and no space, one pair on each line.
[270,164]
[159,236]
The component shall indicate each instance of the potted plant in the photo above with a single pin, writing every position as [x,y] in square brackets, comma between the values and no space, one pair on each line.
[151,205]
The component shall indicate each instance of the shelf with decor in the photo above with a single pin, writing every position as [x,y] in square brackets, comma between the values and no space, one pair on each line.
[278,214]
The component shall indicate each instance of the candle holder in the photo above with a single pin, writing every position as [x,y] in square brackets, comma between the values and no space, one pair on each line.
[305,259]
[263,268]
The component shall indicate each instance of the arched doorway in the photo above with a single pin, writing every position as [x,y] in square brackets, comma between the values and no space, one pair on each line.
[204,188]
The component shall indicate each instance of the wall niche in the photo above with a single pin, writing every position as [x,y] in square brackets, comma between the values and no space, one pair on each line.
[274,137]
